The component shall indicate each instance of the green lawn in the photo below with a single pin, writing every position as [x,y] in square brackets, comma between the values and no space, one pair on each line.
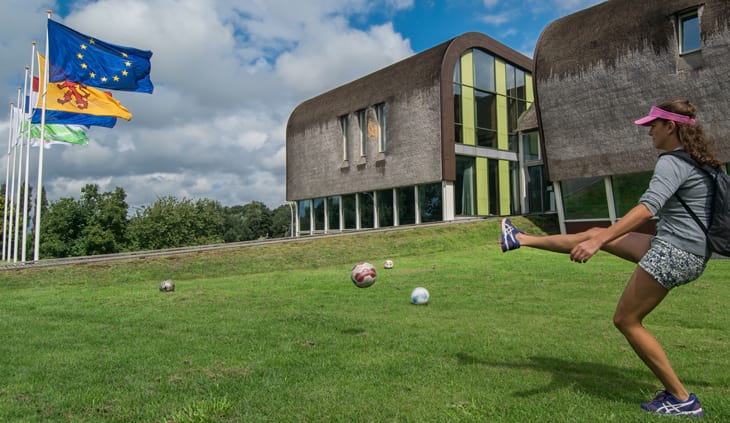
[279,334]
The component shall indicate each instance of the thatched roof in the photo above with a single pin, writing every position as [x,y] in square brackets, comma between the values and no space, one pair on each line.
[601,68]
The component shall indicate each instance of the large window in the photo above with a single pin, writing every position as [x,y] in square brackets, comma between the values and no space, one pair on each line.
[385,208]
[585,198]
[464,187]
[484,71]
[304,213]
[349,211]
[333,212]
[406,205]
[689,32]
[367,210]
[485,108]
[458,113]
[429,201]
[627,189]
[318,213]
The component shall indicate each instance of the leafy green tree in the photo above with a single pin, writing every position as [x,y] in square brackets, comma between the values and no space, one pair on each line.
[257,218]
[105,229]
[235,228]
[169,223]
[61,227]
[281,221]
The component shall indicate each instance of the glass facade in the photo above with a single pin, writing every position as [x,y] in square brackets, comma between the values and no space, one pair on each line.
[489,96]
[318,213]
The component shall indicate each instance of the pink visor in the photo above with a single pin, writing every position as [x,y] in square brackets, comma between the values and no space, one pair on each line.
[657,113]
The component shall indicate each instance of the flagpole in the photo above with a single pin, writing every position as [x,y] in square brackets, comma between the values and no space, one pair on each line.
[13,205]
[21,146]
[23,248]
[37,240]
[7,181]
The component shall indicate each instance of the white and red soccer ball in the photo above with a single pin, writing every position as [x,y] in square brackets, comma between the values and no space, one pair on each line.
[363,274]
[388,264]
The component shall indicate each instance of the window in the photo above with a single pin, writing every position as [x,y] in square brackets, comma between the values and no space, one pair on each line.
[349,211]
[531,146]
[429,201]
[345,137]
[585,198]
[464,186]
[362,120]
[406,205]
[382,125]
[367,209]
[689,32]
[385,208]
[304,207]
[333,212]
[318,213]
[627,189]
[485,109]
[484,71]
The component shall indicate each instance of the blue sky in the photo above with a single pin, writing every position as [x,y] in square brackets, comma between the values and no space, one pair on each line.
[228,73]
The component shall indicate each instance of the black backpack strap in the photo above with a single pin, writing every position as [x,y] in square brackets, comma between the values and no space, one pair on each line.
[710,171]
[691,213]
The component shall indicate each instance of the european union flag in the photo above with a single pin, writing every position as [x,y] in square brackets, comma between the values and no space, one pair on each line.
[76,57]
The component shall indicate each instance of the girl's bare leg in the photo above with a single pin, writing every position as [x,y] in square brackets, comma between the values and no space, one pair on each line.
[631,246]
[642,294]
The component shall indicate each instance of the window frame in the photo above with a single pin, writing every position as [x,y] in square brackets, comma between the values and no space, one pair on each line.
[344,127]
[362,120]
[381,117]
[681,19]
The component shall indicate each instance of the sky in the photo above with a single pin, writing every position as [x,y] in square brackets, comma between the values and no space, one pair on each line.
[227,75]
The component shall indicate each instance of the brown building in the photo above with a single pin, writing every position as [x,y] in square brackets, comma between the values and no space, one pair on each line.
[599,69]
[430,138]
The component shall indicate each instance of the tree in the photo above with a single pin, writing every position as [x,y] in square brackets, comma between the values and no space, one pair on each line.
[281,221]
[95,224]
[235,228]
[257,218]
[169,223]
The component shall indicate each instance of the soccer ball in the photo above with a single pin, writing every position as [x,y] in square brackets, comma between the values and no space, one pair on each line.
[388,264]
[420,296]
[363,274]
[167,286]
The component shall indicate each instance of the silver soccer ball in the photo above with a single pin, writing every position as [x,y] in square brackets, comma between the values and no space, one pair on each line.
[167,286]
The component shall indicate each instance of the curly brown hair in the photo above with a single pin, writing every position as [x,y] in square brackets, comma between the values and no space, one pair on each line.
[692,137]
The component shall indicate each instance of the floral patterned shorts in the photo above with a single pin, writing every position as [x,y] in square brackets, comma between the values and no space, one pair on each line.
[670,266]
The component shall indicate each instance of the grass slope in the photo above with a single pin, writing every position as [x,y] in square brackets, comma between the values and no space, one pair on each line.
[278,333]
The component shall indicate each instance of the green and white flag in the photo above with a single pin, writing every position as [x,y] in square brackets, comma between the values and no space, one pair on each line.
[59,134]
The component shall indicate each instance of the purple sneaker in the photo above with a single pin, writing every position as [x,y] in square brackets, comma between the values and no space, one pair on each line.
[666,403]
[508,240]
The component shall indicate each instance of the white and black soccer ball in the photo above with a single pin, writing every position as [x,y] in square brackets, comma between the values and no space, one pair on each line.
[363,274]
[167,286]
[420,296]
[388,264]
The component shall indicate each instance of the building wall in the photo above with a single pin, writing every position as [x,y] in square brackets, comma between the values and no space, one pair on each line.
[599,69]
[315,165]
